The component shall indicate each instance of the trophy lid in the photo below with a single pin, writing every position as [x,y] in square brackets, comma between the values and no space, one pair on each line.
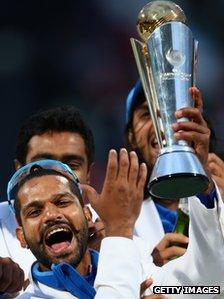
[156,13]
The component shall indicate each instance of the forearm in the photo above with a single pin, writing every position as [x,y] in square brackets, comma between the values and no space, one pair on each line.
[203,263]
[119,272]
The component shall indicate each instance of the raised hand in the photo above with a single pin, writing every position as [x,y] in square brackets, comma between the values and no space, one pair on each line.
[144,286]
[195,131]
[11,276]
[120,201]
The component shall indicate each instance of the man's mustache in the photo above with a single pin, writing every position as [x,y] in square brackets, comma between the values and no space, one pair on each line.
[53,223]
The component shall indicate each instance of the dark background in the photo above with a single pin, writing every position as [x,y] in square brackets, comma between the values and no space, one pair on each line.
[78,52]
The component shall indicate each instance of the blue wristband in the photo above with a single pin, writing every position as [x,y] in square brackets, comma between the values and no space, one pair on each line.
[208,200]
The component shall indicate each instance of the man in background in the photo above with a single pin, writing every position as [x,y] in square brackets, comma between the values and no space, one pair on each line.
[159,218]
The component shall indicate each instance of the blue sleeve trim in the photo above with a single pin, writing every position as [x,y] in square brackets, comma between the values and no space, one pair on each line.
[208,200]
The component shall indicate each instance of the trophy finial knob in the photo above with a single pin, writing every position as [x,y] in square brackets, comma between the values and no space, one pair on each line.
[156,13]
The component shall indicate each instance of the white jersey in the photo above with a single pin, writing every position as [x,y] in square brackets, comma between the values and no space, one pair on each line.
[203,262]
[9,245]
[123,265]
[148,225]
[118,277]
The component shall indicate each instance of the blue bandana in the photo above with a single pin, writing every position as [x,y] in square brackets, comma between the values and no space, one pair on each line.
[64,277]
[168,218]
[131,99]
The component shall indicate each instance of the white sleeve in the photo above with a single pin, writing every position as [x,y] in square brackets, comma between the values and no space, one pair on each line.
[119,273]
[203,263]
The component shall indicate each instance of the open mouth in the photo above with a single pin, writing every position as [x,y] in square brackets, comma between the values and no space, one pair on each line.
[58,239]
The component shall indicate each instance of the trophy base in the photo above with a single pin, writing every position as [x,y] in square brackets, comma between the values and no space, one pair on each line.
[177,174]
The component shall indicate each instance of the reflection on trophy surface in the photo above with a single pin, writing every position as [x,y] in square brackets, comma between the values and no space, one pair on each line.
[166,59]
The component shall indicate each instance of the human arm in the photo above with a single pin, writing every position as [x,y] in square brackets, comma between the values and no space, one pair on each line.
[144,286]
[119,271]
[216,169]
[203,262]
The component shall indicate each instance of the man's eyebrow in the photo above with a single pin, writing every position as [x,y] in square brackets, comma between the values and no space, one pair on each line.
[58,196]
[66,157]
[42,156]
[66,195]
[69,157]
[33,204]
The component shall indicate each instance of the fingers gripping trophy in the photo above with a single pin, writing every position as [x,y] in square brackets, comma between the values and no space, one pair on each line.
[166,59]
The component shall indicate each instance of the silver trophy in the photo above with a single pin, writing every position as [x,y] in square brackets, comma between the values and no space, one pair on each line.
[166,60]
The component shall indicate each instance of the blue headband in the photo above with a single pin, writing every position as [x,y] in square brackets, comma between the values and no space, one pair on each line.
[131,99]
[27,169]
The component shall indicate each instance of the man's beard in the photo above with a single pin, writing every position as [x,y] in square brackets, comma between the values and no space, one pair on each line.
[44,259]
[149,170]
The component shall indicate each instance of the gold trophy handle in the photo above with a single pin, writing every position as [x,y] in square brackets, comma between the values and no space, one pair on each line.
[140,53]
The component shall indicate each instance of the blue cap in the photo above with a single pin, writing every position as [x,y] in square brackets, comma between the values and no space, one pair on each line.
[132,98]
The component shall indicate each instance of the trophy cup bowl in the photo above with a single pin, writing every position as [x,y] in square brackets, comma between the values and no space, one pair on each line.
[166,59]
[156,13]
